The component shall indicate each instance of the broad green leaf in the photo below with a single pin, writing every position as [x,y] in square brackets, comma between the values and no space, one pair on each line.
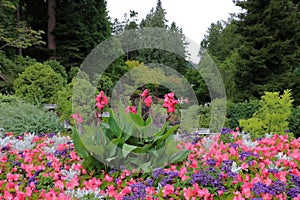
[167,134]
[180,156]
[78,145]
[127,149]
[137,119]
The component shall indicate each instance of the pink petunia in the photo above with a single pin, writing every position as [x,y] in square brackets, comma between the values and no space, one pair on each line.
[168,189]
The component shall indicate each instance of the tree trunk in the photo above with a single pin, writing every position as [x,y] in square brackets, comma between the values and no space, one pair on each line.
[51,27]
[18,23]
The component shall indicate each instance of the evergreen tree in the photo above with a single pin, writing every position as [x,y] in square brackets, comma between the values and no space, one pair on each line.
[81,25]
[270,52]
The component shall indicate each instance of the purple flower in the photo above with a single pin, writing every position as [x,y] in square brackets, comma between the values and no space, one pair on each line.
[205,179]
[37,172]
[157,172]
[225,130]
[149,182]
[293,192]
[295,179]
[211,162]
[234,145]
[48,164]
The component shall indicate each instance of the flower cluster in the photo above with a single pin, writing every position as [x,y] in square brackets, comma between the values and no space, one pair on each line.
[50,169]
[101,101]
[170,102]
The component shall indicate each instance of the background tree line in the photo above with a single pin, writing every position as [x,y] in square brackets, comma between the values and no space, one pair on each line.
[256,50]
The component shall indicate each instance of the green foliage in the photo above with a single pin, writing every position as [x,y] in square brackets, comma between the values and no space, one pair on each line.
[57,67]
[8,98]
[16,33]
[83,97]
[272,115]
[9,70]
[64,102]
[242,110]
[19,117]
[38,84]
[294,121]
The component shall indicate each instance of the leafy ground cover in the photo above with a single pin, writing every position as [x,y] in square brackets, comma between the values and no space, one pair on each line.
[225,166]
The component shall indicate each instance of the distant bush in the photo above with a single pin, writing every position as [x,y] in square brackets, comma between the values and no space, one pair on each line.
[8,98]
[64,102]
[20,117]
[242,110]
[58,68]
[294,121]
[38,84]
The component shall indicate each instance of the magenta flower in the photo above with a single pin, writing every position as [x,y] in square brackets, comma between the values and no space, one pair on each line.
[101,101]
[131,109]
[170,102]
[145,93]
[148,101]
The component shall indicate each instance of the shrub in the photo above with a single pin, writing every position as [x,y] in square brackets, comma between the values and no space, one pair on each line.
[271,117]
[20,117]
[58,68]
[8,98]
[64,102]
[294,121]
[242,110]
[38,84]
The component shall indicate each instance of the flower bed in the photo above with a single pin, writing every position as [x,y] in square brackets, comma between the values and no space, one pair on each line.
[225,166]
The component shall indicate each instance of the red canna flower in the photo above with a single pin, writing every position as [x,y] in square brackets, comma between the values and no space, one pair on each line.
[145,93]
[77,117]
[170,102]
[131,109]
[148,101]
[101,101]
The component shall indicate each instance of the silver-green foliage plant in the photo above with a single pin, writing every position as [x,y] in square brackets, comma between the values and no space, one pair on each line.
[19,117]
[271,117]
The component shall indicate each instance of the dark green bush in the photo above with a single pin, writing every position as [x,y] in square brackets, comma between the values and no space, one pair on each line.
[294,122]
[20,117]
[242,110]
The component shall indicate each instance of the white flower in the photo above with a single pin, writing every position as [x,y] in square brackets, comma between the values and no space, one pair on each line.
[247,141]
[281,156]
[207,142]
[5,141]
[26,143]
[56,141]
[83,193]
[269,135]
[273,166]
[70,174]
[235,168]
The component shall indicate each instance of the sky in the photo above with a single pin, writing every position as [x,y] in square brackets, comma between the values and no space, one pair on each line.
[193,16]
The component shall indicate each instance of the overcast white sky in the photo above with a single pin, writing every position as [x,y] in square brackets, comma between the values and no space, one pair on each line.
[193,16]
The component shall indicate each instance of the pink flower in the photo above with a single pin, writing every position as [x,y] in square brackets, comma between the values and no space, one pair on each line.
[77,117]
[168,189]
[148,101]
[170,102]
[108,178]
[145,93]
[131,109]
[101,101]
